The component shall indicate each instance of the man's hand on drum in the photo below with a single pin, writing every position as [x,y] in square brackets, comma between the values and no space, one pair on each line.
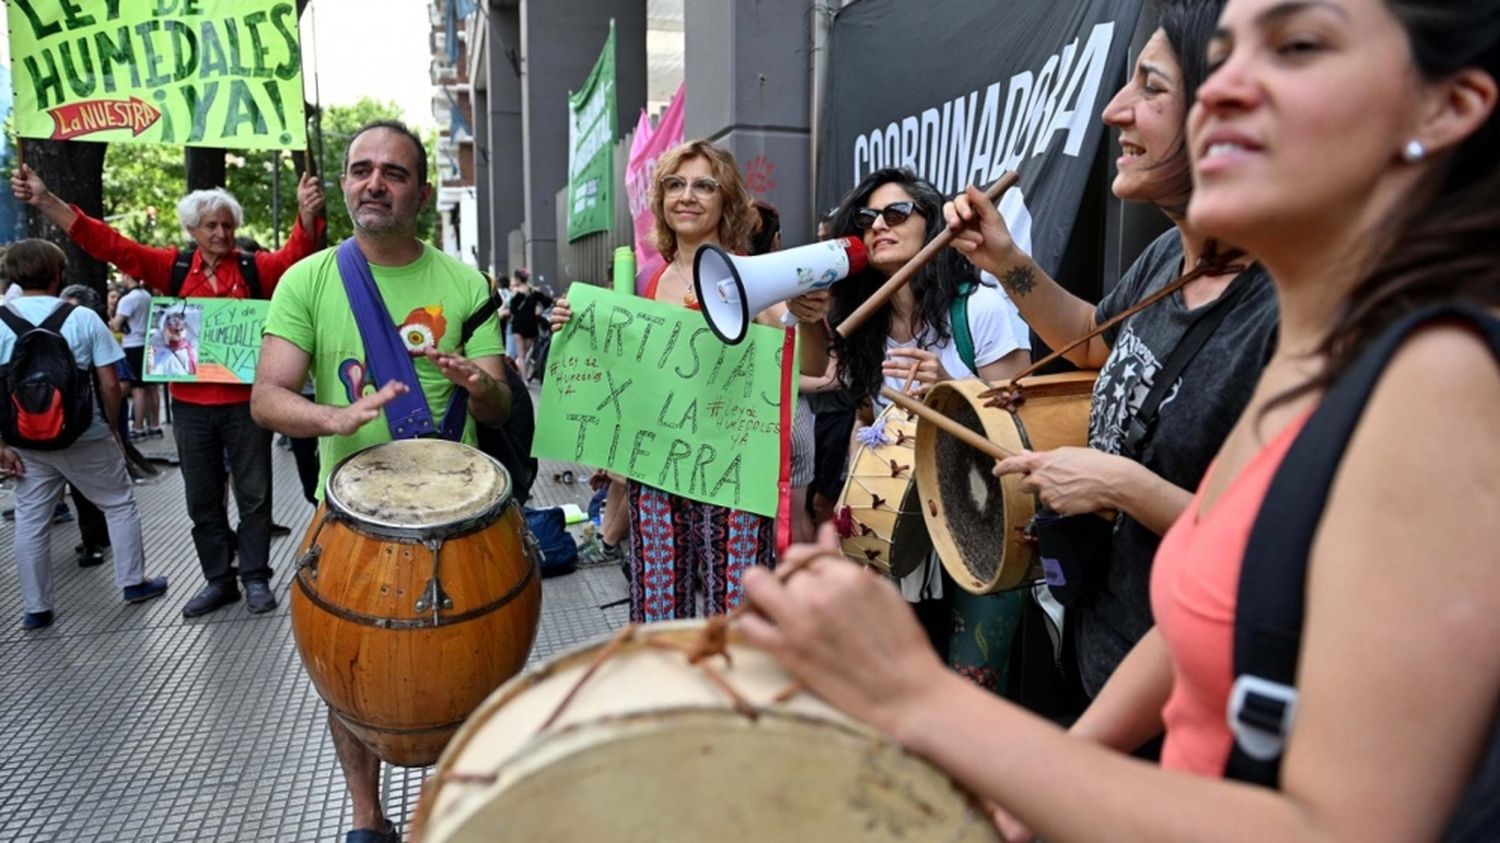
[345,420]
[979,231]
[899,363]
[560,314]
[844,633]
[811,308]
[1069,480]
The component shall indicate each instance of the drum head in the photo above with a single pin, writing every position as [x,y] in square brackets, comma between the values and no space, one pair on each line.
[419,485]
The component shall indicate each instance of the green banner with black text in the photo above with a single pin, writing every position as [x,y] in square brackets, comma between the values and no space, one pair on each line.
[646,390]
[219,73]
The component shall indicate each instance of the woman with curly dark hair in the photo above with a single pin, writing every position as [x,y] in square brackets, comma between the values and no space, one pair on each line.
[913,340]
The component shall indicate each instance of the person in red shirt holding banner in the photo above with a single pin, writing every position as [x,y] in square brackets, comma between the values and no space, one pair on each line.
[210,420]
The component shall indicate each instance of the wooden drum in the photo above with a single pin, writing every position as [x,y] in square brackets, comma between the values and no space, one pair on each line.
[878,515]
[650,748]
[978,523]
[417,593]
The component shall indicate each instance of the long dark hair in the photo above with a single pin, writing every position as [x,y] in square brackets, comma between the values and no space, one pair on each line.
[1188,26]
[1446,246]
[860,355]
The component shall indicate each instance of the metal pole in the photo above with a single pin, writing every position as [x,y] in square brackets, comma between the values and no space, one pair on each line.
[276,199]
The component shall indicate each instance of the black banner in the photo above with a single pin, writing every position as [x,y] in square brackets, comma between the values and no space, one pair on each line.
[962,90]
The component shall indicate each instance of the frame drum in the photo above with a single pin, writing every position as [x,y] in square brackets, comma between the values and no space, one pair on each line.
[979,524]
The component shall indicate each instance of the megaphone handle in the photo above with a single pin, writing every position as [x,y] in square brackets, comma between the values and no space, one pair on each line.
[904,275]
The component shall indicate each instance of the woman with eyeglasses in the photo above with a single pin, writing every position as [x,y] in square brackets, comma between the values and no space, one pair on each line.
[911,343]
[1351,147]
[699,199]
[1143,469]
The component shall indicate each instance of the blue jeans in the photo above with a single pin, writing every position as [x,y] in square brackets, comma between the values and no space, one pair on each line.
[204,434]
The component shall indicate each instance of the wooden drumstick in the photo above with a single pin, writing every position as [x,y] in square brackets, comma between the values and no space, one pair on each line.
[904,275]
[967,436]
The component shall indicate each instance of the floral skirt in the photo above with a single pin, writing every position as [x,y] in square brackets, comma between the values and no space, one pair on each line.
[679,546]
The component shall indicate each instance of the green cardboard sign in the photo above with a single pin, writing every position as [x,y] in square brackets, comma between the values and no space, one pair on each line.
[203,340]
[591,148]
[220,73]
[646,390]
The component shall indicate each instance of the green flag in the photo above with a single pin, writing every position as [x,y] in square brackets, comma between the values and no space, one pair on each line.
[646,390]
[220,73]
[591,148]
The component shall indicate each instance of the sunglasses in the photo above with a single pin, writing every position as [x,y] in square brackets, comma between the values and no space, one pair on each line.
[703,187]
[894,213]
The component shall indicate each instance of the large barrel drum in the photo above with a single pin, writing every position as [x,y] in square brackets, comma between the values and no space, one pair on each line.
[417,593]
[652,748]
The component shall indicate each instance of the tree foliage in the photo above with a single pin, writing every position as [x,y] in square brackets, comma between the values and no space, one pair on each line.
[142,178]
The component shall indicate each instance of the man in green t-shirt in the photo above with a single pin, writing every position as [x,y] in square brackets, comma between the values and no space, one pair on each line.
[311,326]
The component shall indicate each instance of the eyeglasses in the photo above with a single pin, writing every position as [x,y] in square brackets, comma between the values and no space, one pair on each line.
[703,187]
[894,213]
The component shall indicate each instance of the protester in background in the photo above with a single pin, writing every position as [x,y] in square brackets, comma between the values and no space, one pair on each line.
[208,419]
[93,463]
[130,317]
[525,314]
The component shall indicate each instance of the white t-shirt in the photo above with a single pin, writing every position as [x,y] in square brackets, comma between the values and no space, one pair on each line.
[12,293]
[997,329]
[995,325]
[89,338]
[134,306]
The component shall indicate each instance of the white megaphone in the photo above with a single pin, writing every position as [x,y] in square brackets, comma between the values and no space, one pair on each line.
[731,289]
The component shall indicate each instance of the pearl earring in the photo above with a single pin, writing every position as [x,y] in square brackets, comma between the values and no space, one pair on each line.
[1413,152]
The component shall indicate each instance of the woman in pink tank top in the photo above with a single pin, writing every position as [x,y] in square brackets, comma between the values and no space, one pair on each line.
[1351,147]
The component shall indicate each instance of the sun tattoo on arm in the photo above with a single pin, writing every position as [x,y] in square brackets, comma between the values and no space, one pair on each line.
[1019,281]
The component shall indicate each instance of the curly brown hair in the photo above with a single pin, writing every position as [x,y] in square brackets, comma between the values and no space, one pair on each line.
[738,217]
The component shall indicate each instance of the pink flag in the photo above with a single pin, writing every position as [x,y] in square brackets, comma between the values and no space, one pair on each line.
[650,144]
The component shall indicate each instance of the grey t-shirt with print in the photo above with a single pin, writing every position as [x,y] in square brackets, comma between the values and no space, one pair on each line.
[1193,421]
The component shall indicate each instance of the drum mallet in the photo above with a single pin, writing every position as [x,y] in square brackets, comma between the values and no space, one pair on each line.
[904,275]
[958,431]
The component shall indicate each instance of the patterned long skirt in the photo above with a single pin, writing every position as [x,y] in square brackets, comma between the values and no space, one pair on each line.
[678,546]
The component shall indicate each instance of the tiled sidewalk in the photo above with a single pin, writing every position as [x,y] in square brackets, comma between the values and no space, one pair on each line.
[126,723]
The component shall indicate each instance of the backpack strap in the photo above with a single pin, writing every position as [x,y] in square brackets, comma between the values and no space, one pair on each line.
[386,357]
[13,320]
[958,323]
[478,317]
[181,265]
[55,319]
[1143,423]
[1273,580]
[251,273]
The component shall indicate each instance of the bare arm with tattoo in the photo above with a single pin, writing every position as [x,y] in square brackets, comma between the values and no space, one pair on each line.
[1057,315]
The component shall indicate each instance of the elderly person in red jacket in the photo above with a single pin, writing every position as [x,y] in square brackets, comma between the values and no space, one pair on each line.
[210,420]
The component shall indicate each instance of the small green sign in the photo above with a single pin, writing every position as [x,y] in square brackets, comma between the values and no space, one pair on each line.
[646,390]
[221,73]
[591,148]
[204,340]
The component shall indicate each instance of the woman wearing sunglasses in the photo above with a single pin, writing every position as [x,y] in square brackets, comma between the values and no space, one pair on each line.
[1351,147]
[699,199]
[911,343]
[1141,469]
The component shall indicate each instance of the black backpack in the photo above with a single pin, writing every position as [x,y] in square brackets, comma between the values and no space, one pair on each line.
[184,263]
[1273,582]
[48,400]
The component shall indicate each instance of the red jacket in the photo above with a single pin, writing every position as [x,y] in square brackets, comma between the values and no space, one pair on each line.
[153,266]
